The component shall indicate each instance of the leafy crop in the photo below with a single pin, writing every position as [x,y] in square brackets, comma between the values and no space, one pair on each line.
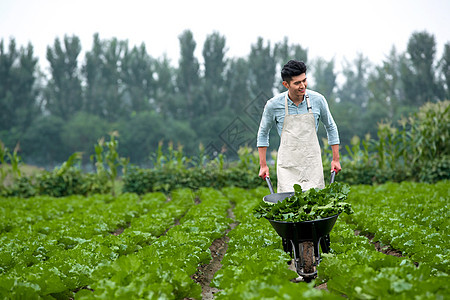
[150,246]
[412,218]
[255,266]
[313,204]
[356,269]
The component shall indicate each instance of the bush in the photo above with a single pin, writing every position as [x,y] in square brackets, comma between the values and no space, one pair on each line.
[141,181]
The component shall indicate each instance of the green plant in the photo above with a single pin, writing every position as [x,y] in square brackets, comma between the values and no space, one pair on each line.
[111,158]
[418,149]
[14,160]
[430,136]
[313,204]
[172,159]
[171,172]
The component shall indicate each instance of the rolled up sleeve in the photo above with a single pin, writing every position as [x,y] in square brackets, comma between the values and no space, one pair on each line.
[267,121]
[330,125]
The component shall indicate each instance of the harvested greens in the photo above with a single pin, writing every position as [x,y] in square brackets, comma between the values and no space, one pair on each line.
[313,204]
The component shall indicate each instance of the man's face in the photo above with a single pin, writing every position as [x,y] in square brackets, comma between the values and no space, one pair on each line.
[297,87]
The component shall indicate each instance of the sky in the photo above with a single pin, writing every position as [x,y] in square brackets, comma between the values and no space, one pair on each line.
[328,28]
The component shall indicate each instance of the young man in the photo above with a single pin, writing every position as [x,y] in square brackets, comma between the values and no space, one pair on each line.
[296,114]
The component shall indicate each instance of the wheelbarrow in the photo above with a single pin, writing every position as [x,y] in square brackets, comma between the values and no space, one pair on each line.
[302,239]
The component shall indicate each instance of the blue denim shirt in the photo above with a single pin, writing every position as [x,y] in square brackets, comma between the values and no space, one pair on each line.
[274,114]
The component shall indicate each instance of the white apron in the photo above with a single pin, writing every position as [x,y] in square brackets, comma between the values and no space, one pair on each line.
[299,157]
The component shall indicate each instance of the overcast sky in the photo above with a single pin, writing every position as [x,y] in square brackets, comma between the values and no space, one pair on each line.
[328,28]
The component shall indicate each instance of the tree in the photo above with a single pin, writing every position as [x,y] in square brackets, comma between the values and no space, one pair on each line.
[165,101]
[354,89]
[63,94]
[445,71]
[214,57]
[262,67]
[137,76]
[140,134]
[353,97]
[324,78]
[42,142]
[7,80]
[81,133]
[188,73]
[237,84]
[418,69]
[386,97]
[18,92]
[104,87]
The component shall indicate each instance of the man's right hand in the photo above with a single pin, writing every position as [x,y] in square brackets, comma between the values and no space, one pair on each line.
[264,169]
[264,172]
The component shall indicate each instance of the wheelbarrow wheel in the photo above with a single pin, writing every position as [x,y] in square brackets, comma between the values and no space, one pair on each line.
[309,259]
[304,259]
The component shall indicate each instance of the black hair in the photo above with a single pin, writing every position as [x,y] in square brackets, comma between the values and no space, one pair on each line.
[292,68]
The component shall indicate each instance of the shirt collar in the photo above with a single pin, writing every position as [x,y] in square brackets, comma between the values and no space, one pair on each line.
[290,102]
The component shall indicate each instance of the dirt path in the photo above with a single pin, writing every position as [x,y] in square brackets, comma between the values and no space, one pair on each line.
[386,249]
[218,248]
[205,273]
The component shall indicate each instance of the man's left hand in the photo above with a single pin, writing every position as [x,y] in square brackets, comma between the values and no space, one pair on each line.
[335,166]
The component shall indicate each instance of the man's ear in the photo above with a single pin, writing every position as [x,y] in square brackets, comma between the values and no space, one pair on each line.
[285,84]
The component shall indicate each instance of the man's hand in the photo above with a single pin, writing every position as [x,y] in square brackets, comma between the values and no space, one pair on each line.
[264,169]
[335,166]
[264,172]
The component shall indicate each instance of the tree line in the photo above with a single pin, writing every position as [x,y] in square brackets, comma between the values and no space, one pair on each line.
[212,106]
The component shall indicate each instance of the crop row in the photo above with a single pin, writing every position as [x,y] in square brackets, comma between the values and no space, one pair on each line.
[412,218]
[163,269]
[391,212]
[356,269]
[134,247]
[255,266]
[56,254]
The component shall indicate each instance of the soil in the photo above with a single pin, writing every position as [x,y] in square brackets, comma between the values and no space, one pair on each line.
[205,273]
[386,249]
[120,230]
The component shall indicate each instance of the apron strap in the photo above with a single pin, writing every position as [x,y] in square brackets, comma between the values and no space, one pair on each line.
[308,104]
[286,111]
[309,107]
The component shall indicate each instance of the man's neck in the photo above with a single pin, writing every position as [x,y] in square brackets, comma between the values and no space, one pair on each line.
[296,101]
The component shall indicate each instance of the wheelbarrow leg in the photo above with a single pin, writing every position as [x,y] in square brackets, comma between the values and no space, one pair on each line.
[287,246]
[325,243]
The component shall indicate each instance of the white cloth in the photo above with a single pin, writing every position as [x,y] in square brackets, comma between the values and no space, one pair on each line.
[299,157]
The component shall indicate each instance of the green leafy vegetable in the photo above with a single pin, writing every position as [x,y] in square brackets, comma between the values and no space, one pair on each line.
[313,204]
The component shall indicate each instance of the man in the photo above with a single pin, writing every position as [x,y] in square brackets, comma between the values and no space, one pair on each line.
[296,114]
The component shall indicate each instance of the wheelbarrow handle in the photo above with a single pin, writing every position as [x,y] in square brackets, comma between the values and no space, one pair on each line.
[333,174]
[269,183]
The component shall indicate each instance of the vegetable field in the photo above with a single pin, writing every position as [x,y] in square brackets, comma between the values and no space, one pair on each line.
[206,244]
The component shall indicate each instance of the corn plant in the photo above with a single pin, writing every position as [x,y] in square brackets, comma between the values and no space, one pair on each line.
[173,159]
[430,146]
[13,158]
[111,158]
[430,131]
